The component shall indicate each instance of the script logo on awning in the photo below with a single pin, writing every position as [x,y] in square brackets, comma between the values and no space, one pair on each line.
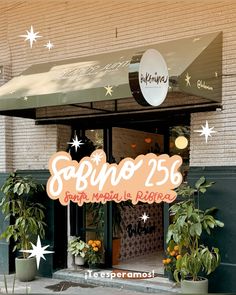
[153,81]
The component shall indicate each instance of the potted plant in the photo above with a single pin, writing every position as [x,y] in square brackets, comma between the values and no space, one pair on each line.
[189,223]
[26,220]
[77,248]
[93,253]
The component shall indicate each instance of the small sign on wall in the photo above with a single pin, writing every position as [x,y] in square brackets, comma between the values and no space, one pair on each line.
[148,178]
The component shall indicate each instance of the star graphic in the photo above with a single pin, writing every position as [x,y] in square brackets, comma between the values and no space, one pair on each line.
[144,217]
[38,251]
[49,45]
[109,90]
[97,158]
[31,36]
[206,131]
[25,98]
[76,143]
[187,79]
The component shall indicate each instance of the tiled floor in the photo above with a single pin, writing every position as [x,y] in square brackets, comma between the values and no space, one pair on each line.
[145,263]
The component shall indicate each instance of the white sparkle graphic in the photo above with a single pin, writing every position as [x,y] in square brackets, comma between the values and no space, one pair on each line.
[38,251]
[25,98]
[206,131]
[76,143]
[144,217]
[31,36]
[187,79]
[97,158]
[109,90]
[49,45]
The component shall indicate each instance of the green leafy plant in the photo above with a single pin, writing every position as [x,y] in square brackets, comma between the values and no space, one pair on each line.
[20,207]
[189,222]
[192,263]
[77,247]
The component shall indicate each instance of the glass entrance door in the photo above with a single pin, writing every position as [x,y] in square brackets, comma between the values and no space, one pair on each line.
[138,243]
[120,226]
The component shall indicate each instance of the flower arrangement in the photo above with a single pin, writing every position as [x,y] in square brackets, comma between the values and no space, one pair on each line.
[172,255]
[93,254]
[77,247]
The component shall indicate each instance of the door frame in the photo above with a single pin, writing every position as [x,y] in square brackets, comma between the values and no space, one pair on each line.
[107,143]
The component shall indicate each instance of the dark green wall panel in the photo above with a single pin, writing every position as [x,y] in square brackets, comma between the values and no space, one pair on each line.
[223,196]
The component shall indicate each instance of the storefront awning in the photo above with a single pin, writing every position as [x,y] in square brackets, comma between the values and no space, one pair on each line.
[194,65]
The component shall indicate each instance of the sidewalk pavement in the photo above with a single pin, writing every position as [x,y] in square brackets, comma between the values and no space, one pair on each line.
[109,278]
[74,282]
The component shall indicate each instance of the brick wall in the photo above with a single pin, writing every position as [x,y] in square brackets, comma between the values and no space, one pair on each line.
[33,145]
[79,28]
[6,144]
[6,140]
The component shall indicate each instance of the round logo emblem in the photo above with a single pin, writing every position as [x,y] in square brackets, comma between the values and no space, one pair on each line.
[151,71]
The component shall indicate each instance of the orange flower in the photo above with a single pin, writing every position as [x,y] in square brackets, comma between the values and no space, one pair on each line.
[172,253]
[178,257]
[94,245]
[176,248]
[98,243]
[95,249]
[168,260]
[90,242]
[164,261]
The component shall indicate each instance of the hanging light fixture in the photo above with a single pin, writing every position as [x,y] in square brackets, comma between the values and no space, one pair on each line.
[181,142]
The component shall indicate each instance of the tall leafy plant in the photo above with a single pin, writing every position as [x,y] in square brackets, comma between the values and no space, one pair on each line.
[20,207]
[189,223]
